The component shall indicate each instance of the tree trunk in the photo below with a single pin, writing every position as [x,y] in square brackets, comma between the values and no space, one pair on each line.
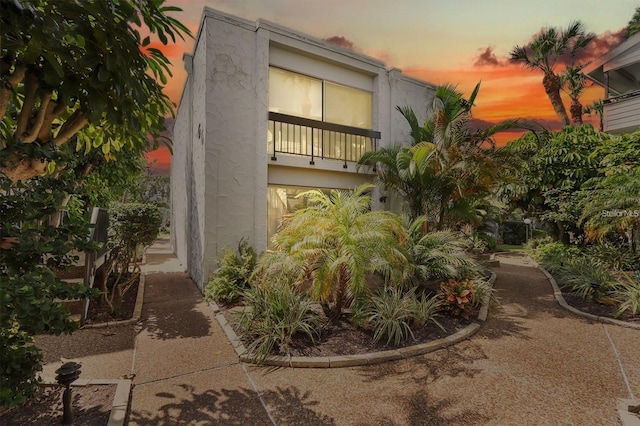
[576,112]
[551,84]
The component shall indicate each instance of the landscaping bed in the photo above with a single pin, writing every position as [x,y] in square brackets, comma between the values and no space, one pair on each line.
[91,406]
[342,337]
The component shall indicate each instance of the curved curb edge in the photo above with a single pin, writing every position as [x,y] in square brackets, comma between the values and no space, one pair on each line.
[557,293]
[628,418]
[340,361]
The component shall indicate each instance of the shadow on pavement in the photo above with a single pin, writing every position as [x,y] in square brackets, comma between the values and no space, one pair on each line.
[450,362]
[171,320]
[289,406]
[233,407]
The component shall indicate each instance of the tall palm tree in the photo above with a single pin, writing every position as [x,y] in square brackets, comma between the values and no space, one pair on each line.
[543,53]
[338,241]
[573,82]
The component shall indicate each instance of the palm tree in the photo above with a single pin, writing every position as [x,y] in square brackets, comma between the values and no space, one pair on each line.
[542,54]
[338,241]
[448,166]
[573,82]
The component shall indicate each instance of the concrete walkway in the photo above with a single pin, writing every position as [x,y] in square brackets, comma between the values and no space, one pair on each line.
[532,363]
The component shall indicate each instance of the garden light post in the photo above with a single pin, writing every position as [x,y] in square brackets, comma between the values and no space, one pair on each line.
[527,230]
[66,375]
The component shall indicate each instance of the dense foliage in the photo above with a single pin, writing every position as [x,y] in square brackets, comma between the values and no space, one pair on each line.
[232,277]
[34,245]
[449,170]
[132,228]
[84,70]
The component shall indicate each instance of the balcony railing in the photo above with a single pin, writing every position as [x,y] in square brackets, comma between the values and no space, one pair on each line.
[317,139]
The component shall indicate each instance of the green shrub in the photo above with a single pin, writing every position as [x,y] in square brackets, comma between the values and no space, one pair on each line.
[426,310]
[21,363]
[390,313]
[481,290]
[586,279]
[132,228]
[436,255]
[274,315]
[613,257]
[628,293]
[231,279]
[552,255]
[489,241]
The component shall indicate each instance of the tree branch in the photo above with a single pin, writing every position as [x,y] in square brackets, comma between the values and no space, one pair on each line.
[54,109]
[45,98]
[70,127]
[5,92]
[30,92]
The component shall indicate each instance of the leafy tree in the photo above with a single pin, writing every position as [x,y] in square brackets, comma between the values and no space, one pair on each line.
[544,51]
[337,241]
[33,249]
[80,69]
[634,24]
[548,170]
[613,205]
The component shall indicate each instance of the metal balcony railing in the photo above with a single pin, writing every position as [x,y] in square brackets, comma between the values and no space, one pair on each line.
[317,139]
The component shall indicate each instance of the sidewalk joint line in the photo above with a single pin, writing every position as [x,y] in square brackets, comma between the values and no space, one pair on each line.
[191,373]
[255,388]
[617,355]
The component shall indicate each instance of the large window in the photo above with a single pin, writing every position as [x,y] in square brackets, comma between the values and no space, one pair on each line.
[302,96]
[298,95]
[282,203]
[295,94]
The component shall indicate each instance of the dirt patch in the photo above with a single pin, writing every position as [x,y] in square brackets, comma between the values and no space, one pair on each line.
[91,406]
[99,312]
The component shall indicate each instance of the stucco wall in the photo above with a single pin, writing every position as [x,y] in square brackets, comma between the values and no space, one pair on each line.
[179,172]
[197,181]
[233,114]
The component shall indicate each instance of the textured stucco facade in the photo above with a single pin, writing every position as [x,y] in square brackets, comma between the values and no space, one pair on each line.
[221,169]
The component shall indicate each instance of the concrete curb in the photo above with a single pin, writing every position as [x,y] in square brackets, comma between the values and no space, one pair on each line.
[359,359]
[121,397]
[137,310]
[628,418]
[557,293]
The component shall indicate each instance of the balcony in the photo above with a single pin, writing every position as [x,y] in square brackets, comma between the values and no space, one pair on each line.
[291,135]
[622,113]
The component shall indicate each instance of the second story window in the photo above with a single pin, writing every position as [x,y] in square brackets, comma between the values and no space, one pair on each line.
[318,118]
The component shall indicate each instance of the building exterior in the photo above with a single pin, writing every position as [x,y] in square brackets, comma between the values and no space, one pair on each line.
[618,71]
[266,113]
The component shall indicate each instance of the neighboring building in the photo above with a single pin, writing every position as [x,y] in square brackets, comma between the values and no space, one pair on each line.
[619,73]
[266,113]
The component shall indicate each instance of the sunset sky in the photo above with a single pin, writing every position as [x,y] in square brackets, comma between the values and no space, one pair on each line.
[457,41]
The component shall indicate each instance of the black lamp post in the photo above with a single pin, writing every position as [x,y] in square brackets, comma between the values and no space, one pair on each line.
[66,375]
